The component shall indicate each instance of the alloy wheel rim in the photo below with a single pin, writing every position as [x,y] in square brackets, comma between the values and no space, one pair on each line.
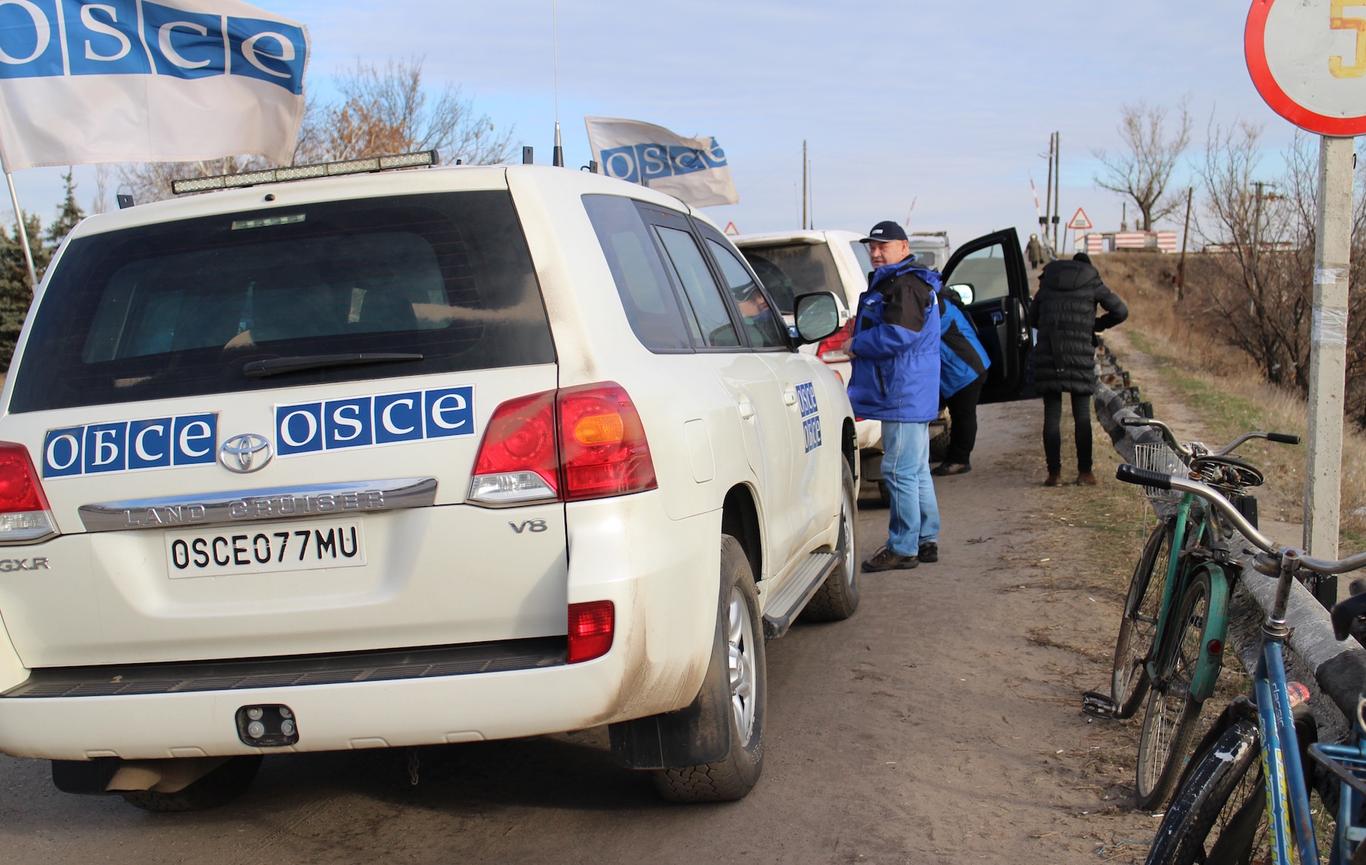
[847,539]
[740,660]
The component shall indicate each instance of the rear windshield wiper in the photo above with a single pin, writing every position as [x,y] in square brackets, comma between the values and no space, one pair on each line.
[281,365]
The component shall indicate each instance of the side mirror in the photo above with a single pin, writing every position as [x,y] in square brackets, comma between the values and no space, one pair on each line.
[817,315]
[964,290]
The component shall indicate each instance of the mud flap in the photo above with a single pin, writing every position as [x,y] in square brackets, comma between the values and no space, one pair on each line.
[84,776]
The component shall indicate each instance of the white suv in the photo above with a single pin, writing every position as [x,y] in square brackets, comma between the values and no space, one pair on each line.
[401,459]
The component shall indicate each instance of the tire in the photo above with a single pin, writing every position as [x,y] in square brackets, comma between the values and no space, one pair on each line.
[218,787]
[1138,625]
[1222,790]
[884,494]
[939,445]
[838,597]
[739,650]
[1172,715]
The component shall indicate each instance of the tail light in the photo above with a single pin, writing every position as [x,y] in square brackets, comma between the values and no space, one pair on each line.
[25,515]
[591,626]
[570,444]
[835,347]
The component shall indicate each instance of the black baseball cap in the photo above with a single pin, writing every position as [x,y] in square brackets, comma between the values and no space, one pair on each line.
[885,231]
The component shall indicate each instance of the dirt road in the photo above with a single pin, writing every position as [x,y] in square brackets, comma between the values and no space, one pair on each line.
[939,725]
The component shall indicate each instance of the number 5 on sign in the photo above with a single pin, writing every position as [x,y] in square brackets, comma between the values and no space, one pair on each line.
[1341,21]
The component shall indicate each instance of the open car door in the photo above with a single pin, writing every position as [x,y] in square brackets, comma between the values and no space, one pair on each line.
[989,275]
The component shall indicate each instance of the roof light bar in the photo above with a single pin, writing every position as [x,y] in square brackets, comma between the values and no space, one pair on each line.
[420,159]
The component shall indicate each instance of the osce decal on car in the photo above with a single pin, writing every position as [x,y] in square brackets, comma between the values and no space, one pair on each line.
[811,415]
[156,443]
[309,427]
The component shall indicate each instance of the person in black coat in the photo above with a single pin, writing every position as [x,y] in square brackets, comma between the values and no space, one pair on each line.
[1064,314]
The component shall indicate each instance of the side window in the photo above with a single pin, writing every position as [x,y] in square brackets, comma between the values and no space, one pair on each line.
[761,325]
[985,270]
[861,253]
[646,296]
[703,295]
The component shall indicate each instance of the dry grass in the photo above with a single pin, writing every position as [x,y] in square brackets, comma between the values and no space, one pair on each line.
[1226,389]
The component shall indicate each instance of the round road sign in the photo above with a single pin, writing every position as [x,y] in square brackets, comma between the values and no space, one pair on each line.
[1308,61]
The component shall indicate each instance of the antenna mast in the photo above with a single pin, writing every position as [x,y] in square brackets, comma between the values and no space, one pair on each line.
[558,157]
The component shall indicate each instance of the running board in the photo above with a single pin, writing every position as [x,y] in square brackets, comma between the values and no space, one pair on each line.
[786,604]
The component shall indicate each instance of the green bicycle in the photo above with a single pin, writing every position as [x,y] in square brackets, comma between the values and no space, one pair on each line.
[1171,635]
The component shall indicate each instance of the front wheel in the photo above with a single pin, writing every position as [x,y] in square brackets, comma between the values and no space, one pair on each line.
[738,674]
[1138,626]
[1220,807]
[1173,711]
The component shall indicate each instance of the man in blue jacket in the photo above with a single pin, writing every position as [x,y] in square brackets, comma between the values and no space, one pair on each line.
[895,379]
[963,366]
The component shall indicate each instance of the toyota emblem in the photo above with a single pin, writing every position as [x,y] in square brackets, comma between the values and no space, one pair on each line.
[244,453]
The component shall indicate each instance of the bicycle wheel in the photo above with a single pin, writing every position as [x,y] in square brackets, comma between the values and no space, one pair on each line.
[1219,814]
[1172,715]
[1138,625]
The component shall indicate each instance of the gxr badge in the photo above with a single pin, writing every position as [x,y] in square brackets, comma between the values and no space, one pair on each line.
[244,453]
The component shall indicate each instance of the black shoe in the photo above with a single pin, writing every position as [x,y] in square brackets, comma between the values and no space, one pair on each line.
[886,560]
[928,553]
[950,469]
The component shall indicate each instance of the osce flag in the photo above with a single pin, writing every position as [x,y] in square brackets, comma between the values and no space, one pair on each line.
[134,81]
[693,169]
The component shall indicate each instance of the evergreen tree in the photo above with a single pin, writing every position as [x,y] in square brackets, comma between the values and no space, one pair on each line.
[16,294]
[68,215]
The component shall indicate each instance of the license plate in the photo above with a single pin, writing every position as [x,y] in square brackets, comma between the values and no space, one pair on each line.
[265,549]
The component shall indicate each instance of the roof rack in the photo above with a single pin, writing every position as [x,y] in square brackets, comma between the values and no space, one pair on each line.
[419,159]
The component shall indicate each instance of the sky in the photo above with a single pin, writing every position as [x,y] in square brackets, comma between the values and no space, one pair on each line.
[940,111]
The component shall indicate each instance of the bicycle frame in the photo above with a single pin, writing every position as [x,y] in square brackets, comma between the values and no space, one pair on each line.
[1179,574]
[1283,771]
[1347,763]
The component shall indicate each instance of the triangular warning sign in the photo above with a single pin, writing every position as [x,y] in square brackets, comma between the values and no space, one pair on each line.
[1080,221]
[731,230]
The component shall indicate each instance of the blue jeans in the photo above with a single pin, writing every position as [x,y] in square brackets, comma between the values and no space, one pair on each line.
[906,469]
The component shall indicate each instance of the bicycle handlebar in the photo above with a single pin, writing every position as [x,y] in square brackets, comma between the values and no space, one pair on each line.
[1187,450]
[1134,475]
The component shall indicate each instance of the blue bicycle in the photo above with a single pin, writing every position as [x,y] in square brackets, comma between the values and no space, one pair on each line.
[1244,797]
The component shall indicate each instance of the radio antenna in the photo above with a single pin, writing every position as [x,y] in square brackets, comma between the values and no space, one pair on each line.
[558,157]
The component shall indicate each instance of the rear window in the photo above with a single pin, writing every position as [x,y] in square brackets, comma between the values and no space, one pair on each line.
[181,309]
[793,269]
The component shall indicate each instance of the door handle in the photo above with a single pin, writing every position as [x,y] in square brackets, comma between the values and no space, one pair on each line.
[790,397]
[746,409]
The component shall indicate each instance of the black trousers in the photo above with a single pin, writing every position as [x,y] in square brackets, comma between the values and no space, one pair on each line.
[963,422]
[1052,430]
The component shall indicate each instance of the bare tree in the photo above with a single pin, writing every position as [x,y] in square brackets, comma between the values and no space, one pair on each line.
[381,110]
[1142,170]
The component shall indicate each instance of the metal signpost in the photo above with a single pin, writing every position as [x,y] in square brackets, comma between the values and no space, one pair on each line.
[1307,59]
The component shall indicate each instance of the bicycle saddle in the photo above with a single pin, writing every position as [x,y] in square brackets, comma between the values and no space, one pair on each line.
[1226,471]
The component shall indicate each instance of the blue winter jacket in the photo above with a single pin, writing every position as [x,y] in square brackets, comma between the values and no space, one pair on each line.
[961,356]
[896,346]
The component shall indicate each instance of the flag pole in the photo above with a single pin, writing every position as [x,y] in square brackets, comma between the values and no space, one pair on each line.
[19,221]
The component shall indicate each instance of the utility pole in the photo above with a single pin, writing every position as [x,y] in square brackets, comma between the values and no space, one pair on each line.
[1048,196]
[1124,216]
[1328,354]
[1057,185]
[1181,265]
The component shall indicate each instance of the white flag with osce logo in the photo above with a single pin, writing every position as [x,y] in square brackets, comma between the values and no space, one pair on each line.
[693,169]
[135,80]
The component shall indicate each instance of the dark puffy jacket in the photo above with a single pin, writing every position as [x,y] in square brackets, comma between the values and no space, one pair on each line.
[1064,312]
[896,346]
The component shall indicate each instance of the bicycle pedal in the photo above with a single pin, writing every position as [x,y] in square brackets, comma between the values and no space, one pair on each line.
[1099,705]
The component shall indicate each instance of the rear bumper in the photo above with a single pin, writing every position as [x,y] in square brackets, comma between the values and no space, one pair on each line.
[661,577]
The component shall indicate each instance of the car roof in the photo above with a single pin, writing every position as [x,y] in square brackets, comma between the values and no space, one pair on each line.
[416,181]
[811,236]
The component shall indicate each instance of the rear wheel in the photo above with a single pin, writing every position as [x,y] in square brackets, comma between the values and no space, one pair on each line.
[838,596]
[218,787]
[1218,805]
[1172,715]
[1138,626]
[738,673]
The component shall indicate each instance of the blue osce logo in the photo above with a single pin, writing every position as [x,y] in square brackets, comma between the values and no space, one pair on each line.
[642,163]
[309,427]
[135,37]
[121,446]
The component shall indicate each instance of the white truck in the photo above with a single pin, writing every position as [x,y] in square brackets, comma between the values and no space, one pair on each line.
[411,458]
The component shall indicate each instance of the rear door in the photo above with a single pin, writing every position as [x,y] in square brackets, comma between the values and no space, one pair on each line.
[989,274]
[257,432]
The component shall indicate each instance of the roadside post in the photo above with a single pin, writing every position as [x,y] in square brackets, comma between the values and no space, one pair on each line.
[1307,59]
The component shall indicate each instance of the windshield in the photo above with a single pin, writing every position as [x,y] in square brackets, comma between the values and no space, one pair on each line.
[931,258]
[184,308]
[791,269]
